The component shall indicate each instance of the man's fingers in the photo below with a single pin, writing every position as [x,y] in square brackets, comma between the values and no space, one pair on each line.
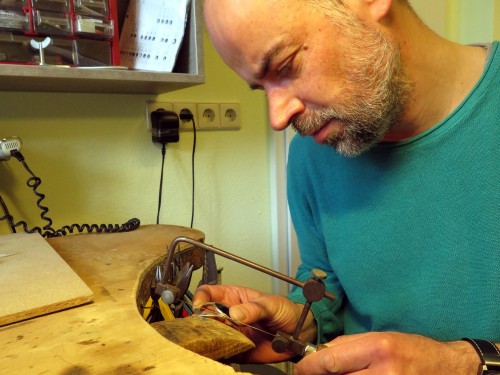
[227,294]
[249,306]
[207,293]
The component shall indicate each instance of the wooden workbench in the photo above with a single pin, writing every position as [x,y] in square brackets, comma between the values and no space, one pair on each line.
[108,336]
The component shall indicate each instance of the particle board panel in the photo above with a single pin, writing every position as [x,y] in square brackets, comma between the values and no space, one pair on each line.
[35,280]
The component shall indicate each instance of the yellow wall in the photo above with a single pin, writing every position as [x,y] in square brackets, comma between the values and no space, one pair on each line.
[98,165]
[463,21]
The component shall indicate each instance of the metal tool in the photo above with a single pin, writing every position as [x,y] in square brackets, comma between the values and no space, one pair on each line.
[180,285]
[313,289]
[218,310]
[164,283]
[155,309]
[212,310]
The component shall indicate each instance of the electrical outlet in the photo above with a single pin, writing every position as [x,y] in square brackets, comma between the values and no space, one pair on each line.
[230,116]
[152,106]
[191,107]
[208,116]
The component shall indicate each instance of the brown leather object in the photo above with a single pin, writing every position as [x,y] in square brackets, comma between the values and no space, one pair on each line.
[205,336]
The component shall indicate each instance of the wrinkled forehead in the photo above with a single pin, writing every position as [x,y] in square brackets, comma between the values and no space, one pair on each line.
[241,30]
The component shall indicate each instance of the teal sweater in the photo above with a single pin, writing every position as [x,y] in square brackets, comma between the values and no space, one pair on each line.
[408,232]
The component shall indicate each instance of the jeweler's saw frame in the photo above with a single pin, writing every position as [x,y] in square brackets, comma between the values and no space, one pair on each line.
[173,284]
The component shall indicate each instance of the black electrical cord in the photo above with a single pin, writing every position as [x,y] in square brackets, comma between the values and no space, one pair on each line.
[188,117]
[163,151]
[7,216]
[34,182]
[130,225]
[192,171]
[47,231]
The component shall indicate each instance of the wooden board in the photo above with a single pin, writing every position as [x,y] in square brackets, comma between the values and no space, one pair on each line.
[35,280]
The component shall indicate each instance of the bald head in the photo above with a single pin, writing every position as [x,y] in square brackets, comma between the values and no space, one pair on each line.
[242,29]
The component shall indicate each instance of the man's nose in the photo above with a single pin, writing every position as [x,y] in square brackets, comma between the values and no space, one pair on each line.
[283,107]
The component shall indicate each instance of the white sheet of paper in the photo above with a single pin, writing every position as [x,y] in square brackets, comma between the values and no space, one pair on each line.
[152,34]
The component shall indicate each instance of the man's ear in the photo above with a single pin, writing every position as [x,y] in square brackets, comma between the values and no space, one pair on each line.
[370,10]
[379,9]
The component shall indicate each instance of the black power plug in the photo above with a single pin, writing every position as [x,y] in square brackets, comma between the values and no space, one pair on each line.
[186,115]
[164,126]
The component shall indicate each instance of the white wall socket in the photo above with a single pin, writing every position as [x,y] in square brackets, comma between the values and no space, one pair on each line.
[230,116]
[208,116]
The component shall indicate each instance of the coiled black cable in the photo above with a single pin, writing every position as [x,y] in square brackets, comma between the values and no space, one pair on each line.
[7,216]
[34,182]
[130,225]
[47,231]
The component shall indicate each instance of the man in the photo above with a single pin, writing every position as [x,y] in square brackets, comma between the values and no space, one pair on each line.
[392,185]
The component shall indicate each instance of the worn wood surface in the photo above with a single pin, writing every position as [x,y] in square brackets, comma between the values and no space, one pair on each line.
[35,280]
[205,336]
[108,336]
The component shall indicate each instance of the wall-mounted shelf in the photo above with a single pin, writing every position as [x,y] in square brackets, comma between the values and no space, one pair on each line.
[188,71]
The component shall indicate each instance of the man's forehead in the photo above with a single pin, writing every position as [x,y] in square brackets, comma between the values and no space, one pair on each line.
[244,30]
[220,9]
[245,13]
[244,4]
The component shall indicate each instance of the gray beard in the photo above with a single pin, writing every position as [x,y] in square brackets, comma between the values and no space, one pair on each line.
[365,123]
[375,96]
[356,137]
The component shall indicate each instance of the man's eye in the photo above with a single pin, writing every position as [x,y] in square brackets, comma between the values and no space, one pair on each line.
[285,70]
[256,87]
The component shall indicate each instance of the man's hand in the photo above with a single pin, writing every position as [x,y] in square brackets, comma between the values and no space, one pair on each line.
[265,311]
[390,353]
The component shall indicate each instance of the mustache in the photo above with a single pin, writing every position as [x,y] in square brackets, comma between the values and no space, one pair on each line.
[310,122]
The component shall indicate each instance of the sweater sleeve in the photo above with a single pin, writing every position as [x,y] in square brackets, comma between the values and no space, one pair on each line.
[313,254]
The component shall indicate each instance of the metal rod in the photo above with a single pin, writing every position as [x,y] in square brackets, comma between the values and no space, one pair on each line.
[302,319]
[235,258]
